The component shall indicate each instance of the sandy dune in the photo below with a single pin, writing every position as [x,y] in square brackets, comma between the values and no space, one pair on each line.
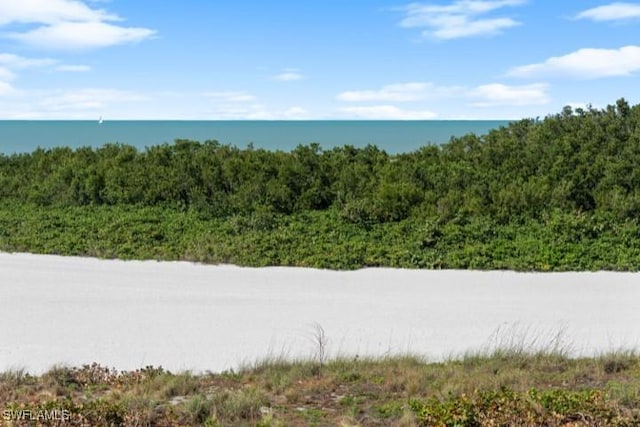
[187,316]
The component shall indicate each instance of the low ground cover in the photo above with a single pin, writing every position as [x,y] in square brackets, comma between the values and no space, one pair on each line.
[320,239]
[505,387]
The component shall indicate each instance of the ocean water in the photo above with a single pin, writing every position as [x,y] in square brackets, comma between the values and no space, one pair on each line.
[19,136]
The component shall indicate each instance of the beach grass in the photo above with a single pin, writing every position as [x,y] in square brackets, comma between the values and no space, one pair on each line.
[506,386]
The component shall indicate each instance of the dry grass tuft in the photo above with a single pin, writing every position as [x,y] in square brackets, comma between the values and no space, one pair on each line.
[514,385]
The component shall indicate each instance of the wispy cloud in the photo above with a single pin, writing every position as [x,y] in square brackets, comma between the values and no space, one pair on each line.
[617,11]
[49,11]
[462,18]
[400,92]
[81,35]
[241,105]
[255,111]
[295,112]
[586,64]
[6,74]
[487,95]
[67,25]
[10,64]
[497,94]
[73,68]
[386,112]
[92,99]
[288,75]
[235,105]
[6,88]
[230,96]
[80,104]
[15,61]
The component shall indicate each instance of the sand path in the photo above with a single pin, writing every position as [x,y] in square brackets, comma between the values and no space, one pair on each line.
[128,314]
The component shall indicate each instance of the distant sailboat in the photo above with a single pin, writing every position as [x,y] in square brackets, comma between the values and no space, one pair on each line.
[100,120]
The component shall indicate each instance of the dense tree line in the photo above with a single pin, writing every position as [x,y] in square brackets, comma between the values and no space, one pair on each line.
[582,160]
[574,174]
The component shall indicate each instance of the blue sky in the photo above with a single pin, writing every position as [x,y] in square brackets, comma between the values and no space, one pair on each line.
[329,59]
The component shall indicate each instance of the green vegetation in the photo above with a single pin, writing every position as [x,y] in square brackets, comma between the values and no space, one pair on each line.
[505,388]
[562,193]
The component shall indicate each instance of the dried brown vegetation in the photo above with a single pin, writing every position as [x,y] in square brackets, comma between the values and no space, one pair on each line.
[501,388]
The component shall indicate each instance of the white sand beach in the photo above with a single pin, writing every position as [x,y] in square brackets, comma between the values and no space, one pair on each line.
[184,316]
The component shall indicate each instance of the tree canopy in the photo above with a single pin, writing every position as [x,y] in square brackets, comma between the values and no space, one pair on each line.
[581,165]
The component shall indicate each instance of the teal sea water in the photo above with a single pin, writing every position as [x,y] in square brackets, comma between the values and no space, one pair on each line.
[19,136]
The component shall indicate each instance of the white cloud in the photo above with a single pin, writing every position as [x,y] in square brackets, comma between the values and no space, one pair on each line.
[240,112]
[399,92]
[86,100]
[295,113]
[395,92]
[73,68]
[462,18]
[49,11]
[585,63]
[288,75]
[81,35]
[230,96]
[386,112]
[236,105]
[67,25]
[617,11]
[10,62]
[254,111]
[476,28]
[15,61]
[6,74]
[488,95]
[496,94]
[78,104]
[6,89]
